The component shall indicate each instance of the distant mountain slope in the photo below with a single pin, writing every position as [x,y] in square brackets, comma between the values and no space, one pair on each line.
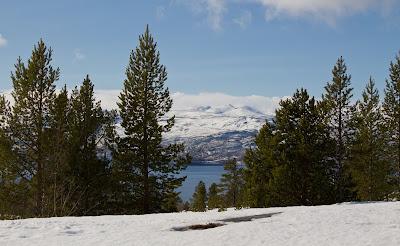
[213,135]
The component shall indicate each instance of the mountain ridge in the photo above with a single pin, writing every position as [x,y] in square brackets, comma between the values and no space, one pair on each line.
[212,135]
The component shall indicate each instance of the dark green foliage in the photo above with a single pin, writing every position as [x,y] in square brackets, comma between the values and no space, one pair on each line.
[87,168]
[232,184]
[34,94]
[146,170]
[291,164]
[369,164]
[337,101]
[199,198]
[214,199]
[260,162]
[391,107]
[10,195]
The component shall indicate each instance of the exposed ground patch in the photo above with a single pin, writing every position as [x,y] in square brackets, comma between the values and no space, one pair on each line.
[228,220]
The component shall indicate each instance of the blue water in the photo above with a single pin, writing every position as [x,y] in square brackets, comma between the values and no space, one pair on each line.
[207,173]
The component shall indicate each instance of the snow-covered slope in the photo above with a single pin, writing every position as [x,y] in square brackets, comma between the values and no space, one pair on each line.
[346,224]
[215,134]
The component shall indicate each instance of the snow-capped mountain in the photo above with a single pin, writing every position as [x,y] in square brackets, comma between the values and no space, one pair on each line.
[214,134]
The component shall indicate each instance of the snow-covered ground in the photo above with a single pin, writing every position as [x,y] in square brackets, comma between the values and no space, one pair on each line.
[345,224]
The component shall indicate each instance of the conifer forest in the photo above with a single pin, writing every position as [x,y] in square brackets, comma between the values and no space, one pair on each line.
[61,154]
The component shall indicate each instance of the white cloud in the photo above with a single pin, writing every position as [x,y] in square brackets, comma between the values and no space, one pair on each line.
[108,98]
[266,105]
[3,41]
[214,9]
[326,10]
[160,12]
[78,55]
[244,20]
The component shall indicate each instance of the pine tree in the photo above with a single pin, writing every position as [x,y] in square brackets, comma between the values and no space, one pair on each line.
[260,162]
[391,107]
[305,174]
[199,198]
[7,177]
[147,170]
[58,183]
[86,166]
[369,164]
[232,184]
[291,162]
[213,196]
[337,99]
[34,93]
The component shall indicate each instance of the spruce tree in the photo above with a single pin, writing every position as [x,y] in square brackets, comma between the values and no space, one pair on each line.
[337,99]
[147,169]
[391,107]
[199,199]
[369,164]
[232,184]
[34,94]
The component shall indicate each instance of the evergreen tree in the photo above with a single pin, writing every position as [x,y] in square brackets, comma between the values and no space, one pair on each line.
[7,205]
[199,198]
[260,162]
[87,167]
[34,94]
[391,107]
[337,99]
[213,196]
[146,169]
[305,174]
[291,162]
[58,183]
[369,163]
[232,184]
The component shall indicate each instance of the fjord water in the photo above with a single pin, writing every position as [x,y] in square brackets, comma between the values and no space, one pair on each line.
[207,173]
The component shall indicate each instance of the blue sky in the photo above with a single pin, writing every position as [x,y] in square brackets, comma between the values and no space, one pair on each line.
[236,47]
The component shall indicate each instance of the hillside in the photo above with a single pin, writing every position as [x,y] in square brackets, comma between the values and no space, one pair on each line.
[215,134]
[344,224]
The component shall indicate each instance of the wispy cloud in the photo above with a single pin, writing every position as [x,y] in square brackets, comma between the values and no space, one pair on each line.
[160,12]
[327,11]
[244,20]
[213,9]
[3,41]
[78,55]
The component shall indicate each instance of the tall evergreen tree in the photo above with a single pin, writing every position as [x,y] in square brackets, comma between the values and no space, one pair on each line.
[305,174]
[146,168]
[34,93]
[391,107]
[58,183]
[337,99]
[87,132]
[291,162]
[369,163]
[232,184]
[260,162]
